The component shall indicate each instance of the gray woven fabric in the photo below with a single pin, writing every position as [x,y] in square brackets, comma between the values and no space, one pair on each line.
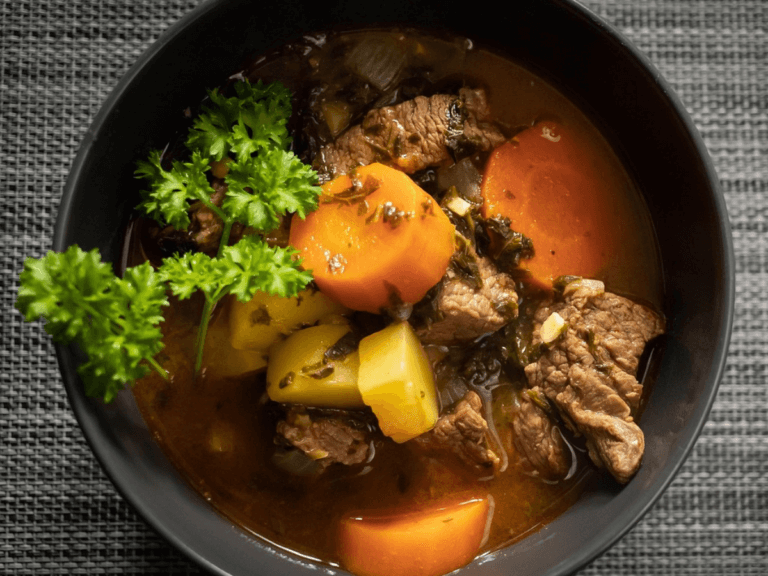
[60,515]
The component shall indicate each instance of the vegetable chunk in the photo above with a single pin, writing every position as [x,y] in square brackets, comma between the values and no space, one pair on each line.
[376,239]
[221,359]
[259,323]
[302,369]
[396,381]
[425,543]
[551,188]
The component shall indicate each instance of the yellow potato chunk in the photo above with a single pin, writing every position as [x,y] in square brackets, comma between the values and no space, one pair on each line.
[259,323]
[222,360]
[298,372]
[396,381]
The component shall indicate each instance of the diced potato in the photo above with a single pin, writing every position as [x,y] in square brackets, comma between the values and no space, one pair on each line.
[237,362]
[298,374]
[221,359]
[259,323]
[396,381]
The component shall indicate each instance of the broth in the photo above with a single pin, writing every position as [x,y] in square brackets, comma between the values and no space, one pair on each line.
[218,428]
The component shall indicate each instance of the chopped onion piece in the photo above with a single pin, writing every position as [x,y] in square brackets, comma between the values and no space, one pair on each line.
[378,60]
[458,205]
[552,328]
[336,115]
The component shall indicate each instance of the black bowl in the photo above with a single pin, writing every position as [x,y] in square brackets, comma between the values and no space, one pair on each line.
[559,40]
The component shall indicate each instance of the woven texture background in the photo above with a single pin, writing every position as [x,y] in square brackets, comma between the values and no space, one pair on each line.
[59,514]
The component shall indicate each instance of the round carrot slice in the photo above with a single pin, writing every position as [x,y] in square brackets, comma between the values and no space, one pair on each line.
[551,189]
[376,239]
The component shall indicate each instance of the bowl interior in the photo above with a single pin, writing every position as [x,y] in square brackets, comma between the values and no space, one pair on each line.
[561,42]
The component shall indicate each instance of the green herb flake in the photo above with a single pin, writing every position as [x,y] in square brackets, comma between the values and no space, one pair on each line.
[343,347]
[393,216]
[356,193]
[427,208]
[260,316]
[317,371]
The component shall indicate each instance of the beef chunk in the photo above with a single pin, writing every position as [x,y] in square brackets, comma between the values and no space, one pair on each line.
[412,135]
[537,438]
[464,311]
[326,439]
[589,371]
[464,433]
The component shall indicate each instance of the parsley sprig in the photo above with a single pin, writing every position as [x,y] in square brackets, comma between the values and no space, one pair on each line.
[244,269]
[264,180]
[115,321]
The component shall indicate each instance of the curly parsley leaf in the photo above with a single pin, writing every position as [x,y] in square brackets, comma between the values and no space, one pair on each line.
[189,273]
[251,266]
[243,269]
[171,191]
[113,320]
[210,132]
[270,185]
[245,124]
[264,180]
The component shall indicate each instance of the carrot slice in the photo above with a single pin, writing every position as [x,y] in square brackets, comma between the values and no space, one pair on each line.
[375,238]
[549,185]
[427,543]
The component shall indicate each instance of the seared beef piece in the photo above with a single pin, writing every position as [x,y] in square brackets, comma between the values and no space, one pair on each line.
[464,433]
[412,135]
[205,228]
[537,437]
[326,439]
[588,373]
[463,311]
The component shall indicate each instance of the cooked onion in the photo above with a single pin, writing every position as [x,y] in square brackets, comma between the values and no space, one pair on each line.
[465,176]
[378,60]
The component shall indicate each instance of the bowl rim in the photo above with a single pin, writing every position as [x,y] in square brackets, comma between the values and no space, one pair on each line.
[703,406]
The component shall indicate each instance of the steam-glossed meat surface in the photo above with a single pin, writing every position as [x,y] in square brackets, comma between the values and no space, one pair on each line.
[589,372]
[412,135]
[537,437]
[464,432]
[327,440]
[466,311]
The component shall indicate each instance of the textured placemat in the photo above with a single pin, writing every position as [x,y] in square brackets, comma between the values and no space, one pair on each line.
[60,515]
